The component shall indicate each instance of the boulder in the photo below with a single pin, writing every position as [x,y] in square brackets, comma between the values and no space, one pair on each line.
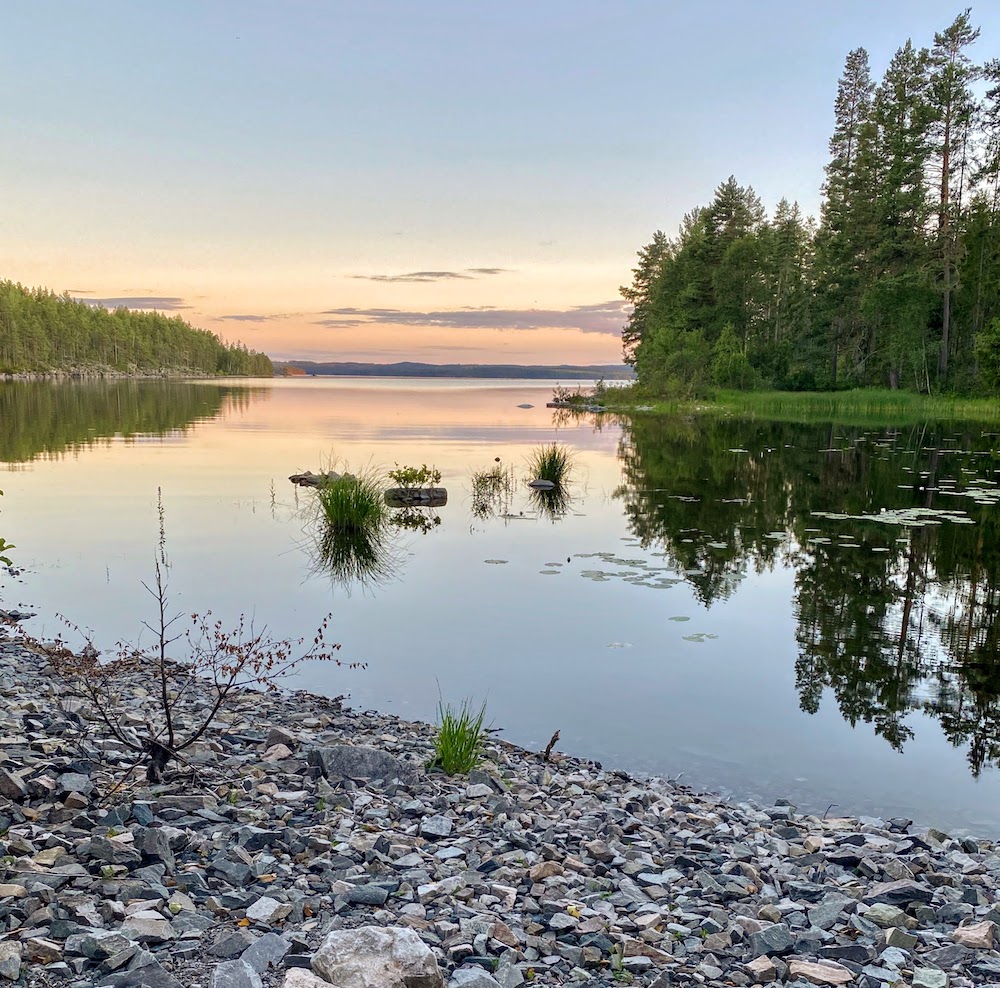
[377,957]
[356,761]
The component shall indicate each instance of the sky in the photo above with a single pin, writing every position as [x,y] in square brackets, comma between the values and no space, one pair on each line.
[379,181]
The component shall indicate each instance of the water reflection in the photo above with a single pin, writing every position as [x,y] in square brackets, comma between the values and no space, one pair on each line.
[894,539]
[45,419]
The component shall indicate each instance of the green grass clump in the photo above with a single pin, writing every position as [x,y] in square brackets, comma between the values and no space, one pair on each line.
[352,504]
[492,491]
[459,742]
[551,462]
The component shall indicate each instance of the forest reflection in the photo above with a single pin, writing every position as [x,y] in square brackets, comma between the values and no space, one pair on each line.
[48,418]
[896,609]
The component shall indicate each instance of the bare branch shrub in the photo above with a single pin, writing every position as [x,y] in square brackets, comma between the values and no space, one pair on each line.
[187,692]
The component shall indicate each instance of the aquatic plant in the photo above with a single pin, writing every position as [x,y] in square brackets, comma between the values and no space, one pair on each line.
[492,491]
[552,504]
[551,462]
[459,740]
[422,476]
[353,504]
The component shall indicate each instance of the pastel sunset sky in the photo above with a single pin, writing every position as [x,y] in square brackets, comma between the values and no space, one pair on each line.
[441,181]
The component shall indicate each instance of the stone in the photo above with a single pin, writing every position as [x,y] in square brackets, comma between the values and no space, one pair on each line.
[235,974]
[545,869]
[929,977]
[267,910]
[12,787]
[435,826]
[762,970]
[10,960]
[297,977]
[356,761]
[147,929]
[43,951]
[377,957]
[776,939]
[367,895]
[897,938]
[266,952]
[978,936]
[232,944]
[824,973]
[900,893]
[886,916]
[472,977]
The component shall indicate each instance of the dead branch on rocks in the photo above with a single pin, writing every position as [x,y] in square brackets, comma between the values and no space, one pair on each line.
[547,753]
[186,692]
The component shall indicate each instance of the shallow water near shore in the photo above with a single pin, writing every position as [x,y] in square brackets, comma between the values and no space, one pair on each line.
[769,609]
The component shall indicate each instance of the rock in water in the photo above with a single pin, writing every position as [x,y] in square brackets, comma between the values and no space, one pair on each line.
[377,957]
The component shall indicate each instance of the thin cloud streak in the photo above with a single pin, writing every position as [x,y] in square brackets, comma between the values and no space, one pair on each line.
[429,277]
[165,303]
[602,317]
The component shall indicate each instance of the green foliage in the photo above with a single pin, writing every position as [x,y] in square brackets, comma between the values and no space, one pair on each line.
[551,462]
[42,331]
[352,504]
[422,476]
[492,491]
[895,285]
[988,354]
[459,740]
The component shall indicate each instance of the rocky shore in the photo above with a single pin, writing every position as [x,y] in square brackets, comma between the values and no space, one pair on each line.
[306,844]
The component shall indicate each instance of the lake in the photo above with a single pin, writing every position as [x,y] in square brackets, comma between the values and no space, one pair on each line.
[762,608]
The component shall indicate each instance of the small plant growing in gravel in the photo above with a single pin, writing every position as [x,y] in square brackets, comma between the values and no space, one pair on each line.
[459,740]
[186,693]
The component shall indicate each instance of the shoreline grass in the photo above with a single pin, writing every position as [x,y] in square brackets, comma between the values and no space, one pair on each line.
[861,406]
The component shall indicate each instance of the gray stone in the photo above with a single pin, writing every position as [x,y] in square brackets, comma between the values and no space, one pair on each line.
[10,960]
[826,914]
[472,977]
[367,895]
[929,977]
[435,826]
[377,957]
[356,761]
[235,974]
[267,952]
[772,940]
[148,976]
[899,893]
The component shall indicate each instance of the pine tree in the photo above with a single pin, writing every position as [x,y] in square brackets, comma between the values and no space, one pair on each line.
[950,95]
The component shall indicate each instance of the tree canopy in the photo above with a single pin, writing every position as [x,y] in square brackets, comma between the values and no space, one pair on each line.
[42,331]
[896,285]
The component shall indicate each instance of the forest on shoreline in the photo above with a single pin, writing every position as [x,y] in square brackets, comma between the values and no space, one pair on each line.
[896,286]
[43,332]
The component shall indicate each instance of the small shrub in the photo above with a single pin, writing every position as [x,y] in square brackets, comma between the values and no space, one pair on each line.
[460,737]
[4,547]
[422,476]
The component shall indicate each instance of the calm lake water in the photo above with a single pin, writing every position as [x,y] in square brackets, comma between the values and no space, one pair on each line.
[768,609]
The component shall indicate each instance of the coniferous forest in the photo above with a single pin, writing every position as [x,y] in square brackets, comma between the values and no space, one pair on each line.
[898,283]
[41,331]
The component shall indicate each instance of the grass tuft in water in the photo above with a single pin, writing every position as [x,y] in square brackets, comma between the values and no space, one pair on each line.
[459,742]
[551,462]
[353,504]
[354,531]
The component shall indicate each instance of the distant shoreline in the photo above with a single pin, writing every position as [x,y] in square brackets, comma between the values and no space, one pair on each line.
[564,372]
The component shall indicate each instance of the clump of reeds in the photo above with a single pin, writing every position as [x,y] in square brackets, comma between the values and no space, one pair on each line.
[354,531]
[492,491]
[551,462]
[460,737]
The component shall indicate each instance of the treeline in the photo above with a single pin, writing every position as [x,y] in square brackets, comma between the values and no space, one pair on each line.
[898,285]
[42,331]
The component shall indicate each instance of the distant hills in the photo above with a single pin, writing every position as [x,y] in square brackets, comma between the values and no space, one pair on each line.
[406,368]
